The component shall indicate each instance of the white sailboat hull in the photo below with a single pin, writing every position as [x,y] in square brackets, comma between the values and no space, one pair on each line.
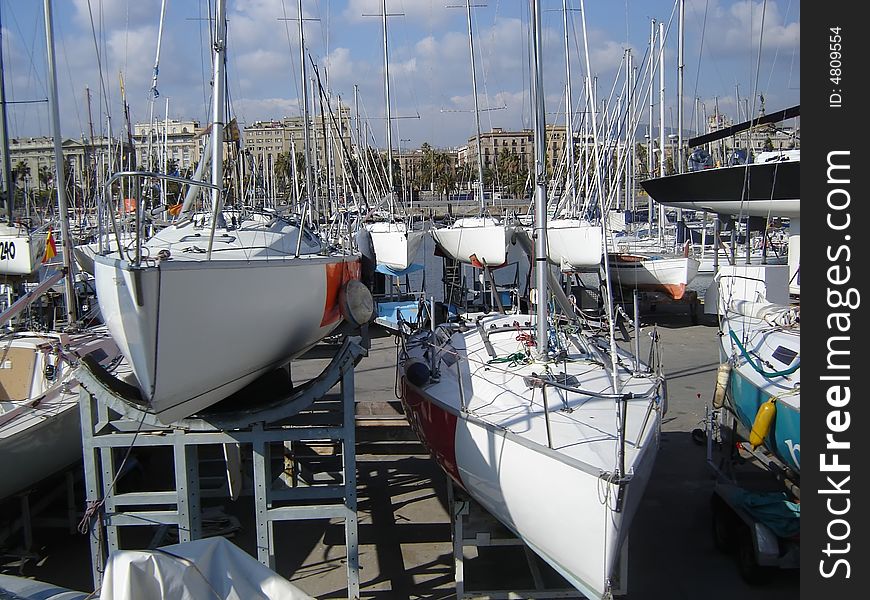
[21,254]
[479,241]
[705,261]
[395,247]
[195,332]
[655,274]
[40,432]
[545,476]
[42,447]
[573,244]
[516,484]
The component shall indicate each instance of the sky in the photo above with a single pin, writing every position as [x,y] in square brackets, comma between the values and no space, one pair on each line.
[748,48]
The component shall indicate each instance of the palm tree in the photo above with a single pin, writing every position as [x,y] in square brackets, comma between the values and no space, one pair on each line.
[512,173]
[20,171]
[46,176]
[283,169]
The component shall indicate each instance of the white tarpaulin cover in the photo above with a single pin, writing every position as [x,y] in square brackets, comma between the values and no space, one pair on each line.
[212,568]
[19,588]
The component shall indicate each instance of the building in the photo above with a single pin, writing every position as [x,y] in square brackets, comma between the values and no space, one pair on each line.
[265,140]
[182,139]
[772,136]
[33,159]
[497,141]
[521,143]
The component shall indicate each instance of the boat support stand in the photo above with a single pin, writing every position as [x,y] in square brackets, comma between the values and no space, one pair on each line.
[473,527]
[111,425]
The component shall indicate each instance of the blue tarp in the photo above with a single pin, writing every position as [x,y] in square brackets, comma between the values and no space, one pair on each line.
[774,509]
[388,271]
[389,311]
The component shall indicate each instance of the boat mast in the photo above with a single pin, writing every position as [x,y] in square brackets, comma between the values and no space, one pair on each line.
[599,191]
[680,65]
[630,133]
[662,161]
[540,181]
[218,109]
[481,200]
[388,114]
[306,132]
[153,93]
[360,158]
[69,291]
[650,164]
[4,139]
[569,118]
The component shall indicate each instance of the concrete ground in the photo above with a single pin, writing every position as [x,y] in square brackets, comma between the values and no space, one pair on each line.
[404,525]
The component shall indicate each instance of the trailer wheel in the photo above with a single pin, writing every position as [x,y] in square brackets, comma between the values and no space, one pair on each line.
[723,525]
[750,570]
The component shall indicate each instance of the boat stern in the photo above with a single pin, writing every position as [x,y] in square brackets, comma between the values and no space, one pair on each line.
[128,300]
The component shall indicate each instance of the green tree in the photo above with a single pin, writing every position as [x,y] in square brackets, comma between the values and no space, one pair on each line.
[512,173]
[641,160]
[20,171]
[45,176]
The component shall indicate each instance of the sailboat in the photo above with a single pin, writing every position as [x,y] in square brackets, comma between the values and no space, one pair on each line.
[481,240]
[21,248]
[39,416]
[395,241]
[760,353]
[649,265]
[39,412]
[552,429]
[573,243]
[769,185]
[758,304]
[654,272]
[213,301]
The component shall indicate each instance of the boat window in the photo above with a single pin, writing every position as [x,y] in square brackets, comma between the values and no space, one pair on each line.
[565,379]
[99,355]
[784,355]
[223,238]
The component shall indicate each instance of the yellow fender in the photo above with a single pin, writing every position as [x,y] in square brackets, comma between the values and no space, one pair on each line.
[763,421]
[723,376]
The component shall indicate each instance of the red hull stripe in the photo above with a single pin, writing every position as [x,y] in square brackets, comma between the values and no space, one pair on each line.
[337,274]
[435,427]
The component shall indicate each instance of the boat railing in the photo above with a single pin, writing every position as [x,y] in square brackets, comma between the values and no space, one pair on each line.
[139,207]
[440,349]
[27,299]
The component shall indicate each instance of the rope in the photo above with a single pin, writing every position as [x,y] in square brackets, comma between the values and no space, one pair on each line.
[517,358]
[760,370]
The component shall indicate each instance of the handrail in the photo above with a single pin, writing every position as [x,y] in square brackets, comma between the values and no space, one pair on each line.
[119,175]
[570,388]
[24,301]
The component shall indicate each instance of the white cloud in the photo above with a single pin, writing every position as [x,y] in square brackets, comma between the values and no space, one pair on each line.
[737,28]
[251,109]
[111,14]
[430,69]
[432,12]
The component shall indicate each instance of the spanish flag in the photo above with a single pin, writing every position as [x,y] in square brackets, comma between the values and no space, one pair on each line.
[50,248]
[175,209]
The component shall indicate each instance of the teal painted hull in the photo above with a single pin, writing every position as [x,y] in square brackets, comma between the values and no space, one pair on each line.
[784,438]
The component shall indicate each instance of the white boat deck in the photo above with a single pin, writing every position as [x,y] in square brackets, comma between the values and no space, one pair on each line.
[772,343]
[257,237]
[582,427]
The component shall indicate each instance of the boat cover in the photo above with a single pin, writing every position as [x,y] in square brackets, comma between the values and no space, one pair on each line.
[774,509]
[386,270]
[207,568]
[20,588]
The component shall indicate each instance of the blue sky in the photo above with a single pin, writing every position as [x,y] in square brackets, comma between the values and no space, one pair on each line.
[429,59]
